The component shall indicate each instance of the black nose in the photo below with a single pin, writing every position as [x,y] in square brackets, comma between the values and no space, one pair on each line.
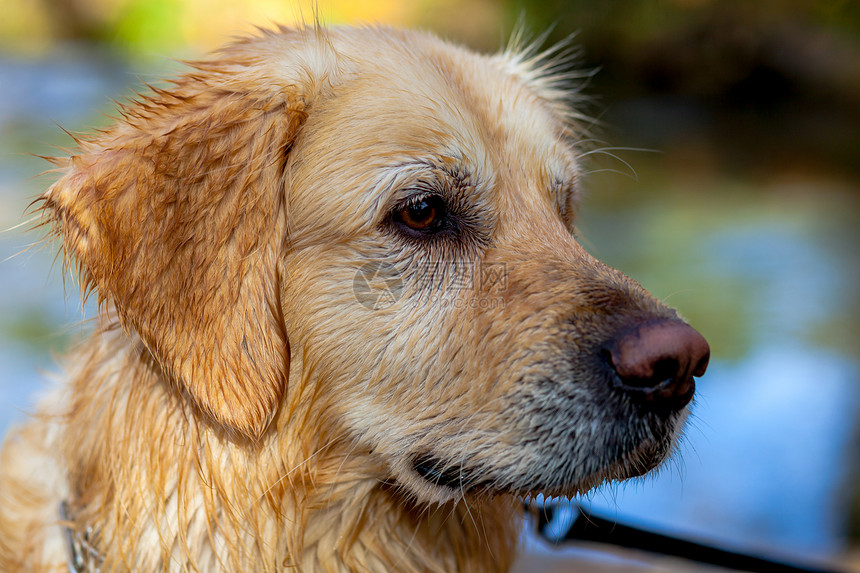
[655,362]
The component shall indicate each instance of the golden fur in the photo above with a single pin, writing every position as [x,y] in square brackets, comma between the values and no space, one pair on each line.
[238,407]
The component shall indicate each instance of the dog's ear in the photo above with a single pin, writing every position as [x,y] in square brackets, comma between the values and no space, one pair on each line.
[175,215]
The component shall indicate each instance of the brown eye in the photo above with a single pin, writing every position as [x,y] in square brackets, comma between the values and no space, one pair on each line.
[422,214]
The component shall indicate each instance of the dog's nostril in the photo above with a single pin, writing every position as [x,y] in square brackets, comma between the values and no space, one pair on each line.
[663,371]
[656,361]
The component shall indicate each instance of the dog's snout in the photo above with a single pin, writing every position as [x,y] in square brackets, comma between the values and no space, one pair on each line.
[655,362]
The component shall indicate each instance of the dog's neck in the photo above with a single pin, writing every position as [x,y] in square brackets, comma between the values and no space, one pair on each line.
[161,490]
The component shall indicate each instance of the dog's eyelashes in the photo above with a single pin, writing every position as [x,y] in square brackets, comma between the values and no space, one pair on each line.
[422,215]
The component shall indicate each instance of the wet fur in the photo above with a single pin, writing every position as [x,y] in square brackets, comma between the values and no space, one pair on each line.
[237,408]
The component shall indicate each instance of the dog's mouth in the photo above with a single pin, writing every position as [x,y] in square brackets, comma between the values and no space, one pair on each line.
[464,480]
[570,477]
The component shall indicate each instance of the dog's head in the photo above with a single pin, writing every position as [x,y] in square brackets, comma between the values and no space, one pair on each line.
[399,212]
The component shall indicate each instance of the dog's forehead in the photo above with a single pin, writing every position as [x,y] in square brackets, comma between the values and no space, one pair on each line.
[443,96]
[401,99]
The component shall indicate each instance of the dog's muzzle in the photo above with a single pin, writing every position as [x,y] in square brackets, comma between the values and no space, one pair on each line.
[636,394]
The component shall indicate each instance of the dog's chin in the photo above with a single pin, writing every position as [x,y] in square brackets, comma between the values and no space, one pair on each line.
[646,458]
[427,478]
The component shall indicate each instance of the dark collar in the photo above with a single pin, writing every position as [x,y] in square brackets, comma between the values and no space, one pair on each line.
[83,557]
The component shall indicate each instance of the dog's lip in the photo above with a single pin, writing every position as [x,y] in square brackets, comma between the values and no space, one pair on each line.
[437,472]
[450,476]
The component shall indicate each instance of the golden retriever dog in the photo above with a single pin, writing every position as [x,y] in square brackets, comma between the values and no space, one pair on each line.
[344,322]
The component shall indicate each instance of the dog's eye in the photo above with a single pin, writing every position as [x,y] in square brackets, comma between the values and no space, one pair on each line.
[422,214]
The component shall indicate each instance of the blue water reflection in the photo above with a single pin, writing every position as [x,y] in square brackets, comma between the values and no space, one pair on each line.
[795,284]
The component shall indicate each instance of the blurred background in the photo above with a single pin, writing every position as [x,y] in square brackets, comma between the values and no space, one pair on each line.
[725,178]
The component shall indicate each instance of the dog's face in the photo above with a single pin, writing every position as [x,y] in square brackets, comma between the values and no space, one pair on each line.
[398,212]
